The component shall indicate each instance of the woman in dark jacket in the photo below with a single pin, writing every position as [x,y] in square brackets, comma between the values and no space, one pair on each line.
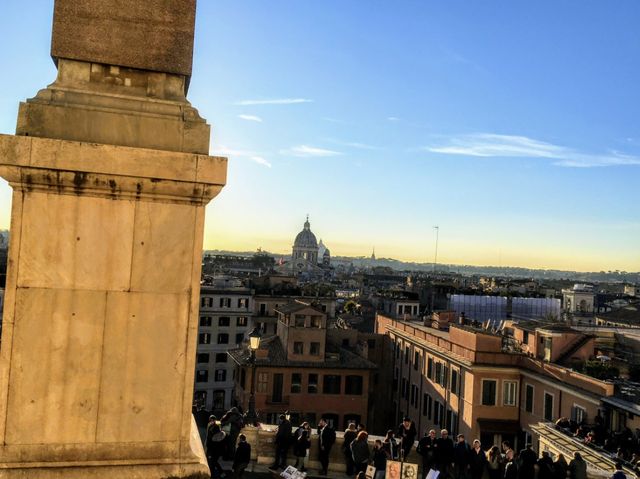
[349,436]
[300,448]
[360,452]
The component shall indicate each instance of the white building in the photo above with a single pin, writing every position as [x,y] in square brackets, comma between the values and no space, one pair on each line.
[579,299]
[226,310]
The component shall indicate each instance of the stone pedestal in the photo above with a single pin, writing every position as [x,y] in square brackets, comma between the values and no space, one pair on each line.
[101,309]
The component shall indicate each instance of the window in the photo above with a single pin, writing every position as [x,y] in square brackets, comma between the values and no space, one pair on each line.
[414,395]
[455,381]
[525,337]
[221,357]
[509,393]
[316,321]
[239,338]
[331,384]
[430,368]
[224,321]
[241,321]
[488,392]
[221,375]
[353,385]
[223,338]
[397,346]
[203,358]
[243,302]
[205,321]
[202,376]
[299,321]
[263,309]
[262,383]
[312,387]
[371,343]
[204,338]
[203,301]
[395,380]
[218,399]
[314,350]
[296,383]
[578,414]
[406,354]
[416,360]
[438,372]
[442,380]
[548,406]
[225,302]
[345,343]
[425,399]
[528,400]
[437,412]
[298,347]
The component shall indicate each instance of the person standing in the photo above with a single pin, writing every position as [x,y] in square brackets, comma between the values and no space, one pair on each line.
[444,453]
[545,465]
[242,456]
[527,463]
[216,445]
[426,448]
[326,439]
[560,467]
[390,445]
[379,460]
[360,451]
[300,450]
[477,460]
[461,458]
[282,440]
[494,463]
[511,468]
[577,467]
[407,434]
[232,423]
[350,435]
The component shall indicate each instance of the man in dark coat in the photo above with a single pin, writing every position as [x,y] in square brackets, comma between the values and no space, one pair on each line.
[407,434]
[526,463]
[577,467]
[426,449]
[444,453]
[461,458]
[282,440]
[326,438]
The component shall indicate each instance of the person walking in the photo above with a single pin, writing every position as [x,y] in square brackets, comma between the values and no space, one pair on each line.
[326,439]
[477,460]
[301,449]
[407,433]
[390,445]
[527,463]
[426,450]
[282,440]
[545,465]
[350,435]
[577,467]
[379,458]
[231,423]
[242,456]
[360,451]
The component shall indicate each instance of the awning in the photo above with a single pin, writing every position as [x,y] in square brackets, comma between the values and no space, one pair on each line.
[499,426]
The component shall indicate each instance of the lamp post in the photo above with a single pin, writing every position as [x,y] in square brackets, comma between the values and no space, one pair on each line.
[254,343]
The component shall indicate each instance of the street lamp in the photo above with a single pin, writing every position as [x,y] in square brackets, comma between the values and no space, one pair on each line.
[254,343]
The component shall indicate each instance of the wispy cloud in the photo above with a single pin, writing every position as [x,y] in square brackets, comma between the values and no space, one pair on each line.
[354,144]
[513,146]
[393,118]
[237,153]
[251,118]
[274,101]
[306,151]
[260,160]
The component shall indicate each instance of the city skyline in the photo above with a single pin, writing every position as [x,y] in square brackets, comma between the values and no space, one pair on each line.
[513,129]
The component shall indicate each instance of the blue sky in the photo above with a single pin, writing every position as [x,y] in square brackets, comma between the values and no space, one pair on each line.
[513,126]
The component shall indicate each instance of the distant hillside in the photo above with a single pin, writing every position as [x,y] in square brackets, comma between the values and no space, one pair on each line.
[468,270]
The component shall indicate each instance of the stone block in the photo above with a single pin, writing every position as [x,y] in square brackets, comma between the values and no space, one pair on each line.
[152,35]
[90,249]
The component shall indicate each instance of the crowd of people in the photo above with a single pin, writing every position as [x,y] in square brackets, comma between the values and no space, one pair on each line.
[623,445]
[451,458]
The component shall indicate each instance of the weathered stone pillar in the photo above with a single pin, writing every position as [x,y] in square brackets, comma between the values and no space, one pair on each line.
[110,174]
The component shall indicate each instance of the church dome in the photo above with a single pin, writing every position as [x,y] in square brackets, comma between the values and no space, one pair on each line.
[306,239]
